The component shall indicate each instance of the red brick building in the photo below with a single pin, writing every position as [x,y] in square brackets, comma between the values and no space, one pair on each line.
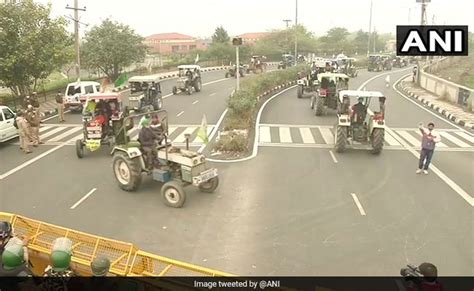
[253,37]
[172,43]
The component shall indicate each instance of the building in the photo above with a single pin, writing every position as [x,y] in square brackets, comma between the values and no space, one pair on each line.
[252,37]
[173,43]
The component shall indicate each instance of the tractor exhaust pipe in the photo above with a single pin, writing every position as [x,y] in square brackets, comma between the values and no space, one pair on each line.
[187,135]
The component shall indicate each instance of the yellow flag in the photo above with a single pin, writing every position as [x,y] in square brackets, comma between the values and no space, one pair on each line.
[202,133]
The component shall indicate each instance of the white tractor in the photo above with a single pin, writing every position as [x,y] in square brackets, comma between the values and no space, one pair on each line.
[357,125]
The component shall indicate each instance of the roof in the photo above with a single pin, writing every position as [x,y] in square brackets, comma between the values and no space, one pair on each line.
[357,94]
[333,75]
[254,35]
[168,36]
[85,83]
[144,79]
[189,67]
[101,96]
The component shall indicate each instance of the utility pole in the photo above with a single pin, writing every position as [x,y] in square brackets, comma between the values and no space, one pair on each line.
[287,21]
[296,34]
[409,14]
[375,38]
[76,34]
[370,28]
[423,12]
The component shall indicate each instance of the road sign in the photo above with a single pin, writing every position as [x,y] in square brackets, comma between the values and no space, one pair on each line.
[237,41]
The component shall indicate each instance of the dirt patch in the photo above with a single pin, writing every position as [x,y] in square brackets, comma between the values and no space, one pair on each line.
[461,71]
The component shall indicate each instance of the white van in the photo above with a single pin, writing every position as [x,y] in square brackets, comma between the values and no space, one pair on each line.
[75,90]
[7,129]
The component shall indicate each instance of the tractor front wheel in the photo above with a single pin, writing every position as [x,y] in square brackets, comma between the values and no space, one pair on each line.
[312,102]
[197,85]
[189,89]
[79,149]
[378,136]
[300,91]
[319,106]
[341,138]
[127,171]
[157,103]
[209,186]
[175,90]
[173,194]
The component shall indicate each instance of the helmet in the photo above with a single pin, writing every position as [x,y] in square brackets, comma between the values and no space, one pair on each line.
[100,266]
[429,271]
[61,253]
[13,254]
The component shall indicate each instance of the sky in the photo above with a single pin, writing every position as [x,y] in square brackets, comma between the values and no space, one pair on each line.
[199,18]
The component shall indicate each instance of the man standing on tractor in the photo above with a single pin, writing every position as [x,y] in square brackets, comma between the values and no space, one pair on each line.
[359,111]
[147,139]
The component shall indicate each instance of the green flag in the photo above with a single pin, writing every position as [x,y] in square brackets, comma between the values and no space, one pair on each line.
[202,133]
[122,79]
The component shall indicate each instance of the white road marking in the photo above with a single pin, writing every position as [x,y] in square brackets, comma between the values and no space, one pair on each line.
[466,136]
[455,140]
[333,157]
[54,116]
[179,114]
[408,137]
[166,96]
[327,135]
[65,134]
[296,125]
[83,198]
[195,102]
[265,134]
[212,94]
[357,202]
[43,128]
[438,145]
[181,137]
[391,140]
[51,132]
[285,135]
[306,135]
[171,129]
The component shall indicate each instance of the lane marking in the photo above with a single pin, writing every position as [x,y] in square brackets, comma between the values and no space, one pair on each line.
[285,135]
[454,140]
[65,134]
[466,136]
[195,102]
[51,132]
[357,202]
[333,157]
[198,140]
[54,116]
[212,94]
[408,137]
[171,129]
[391,140]
[327,135]
[306,135]
[265,134]
[43,128]
[179,114]
[296,125]
[83,198]
[181,137]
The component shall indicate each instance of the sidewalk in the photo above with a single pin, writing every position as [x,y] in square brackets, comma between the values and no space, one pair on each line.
[448,110]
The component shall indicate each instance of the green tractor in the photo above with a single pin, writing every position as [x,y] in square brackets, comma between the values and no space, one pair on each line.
[176,168]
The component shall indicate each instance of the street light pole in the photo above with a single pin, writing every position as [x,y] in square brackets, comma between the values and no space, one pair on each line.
[370,28]
[76,34]
[296,33]
[287,21]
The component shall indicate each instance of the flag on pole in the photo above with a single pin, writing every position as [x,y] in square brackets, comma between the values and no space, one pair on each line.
[197,59]
[122,79]
[202,132]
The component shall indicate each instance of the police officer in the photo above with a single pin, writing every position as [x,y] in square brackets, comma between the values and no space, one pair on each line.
[59,269]
[34,119]
[13,260]
[100,266]
[60,106]
[6,234]
[23,131]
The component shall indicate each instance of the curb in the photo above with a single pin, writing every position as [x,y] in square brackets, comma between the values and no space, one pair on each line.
[438,109]
[277,88]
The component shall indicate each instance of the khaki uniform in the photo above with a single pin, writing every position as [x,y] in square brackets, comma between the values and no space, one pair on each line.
[60,106]
[34,119]
[24,133]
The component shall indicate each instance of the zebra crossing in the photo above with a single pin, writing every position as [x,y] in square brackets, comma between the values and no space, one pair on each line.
[56,134]
[287,135]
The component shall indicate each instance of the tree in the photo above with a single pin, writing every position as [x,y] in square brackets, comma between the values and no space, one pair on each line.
[112,46]
[220,36]
[222,52]
[360,42]
[334,42]
[32,45]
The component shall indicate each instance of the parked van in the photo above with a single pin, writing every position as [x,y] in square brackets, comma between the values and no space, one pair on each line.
[75,90]
[7,129]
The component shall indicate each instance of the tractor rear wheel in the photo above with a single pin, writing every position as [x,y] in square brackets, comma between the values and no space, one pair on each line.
[175,90]
[340,138]
[299,93]
[173,194]
[197,85]
[79,149]
[157,103]
[189,89]
[319,106]
[209,186]
[127,171]
[378,136]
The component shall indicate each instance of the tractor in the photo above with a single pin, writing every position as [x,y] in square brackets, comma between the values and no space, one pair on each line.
[326,96]
[176,168]
[257,65]
[145,93]
[375,63]
[357,125]
[189,79]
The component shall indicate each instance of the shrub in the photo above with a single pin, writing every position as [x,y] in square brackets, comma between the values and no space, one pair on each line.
[232,143]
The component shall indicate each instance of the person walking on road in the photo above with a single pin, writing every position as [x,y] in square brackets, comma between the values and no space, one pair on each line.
[60,106]
[387,81]
[23,132]
[34,119]
[429,140]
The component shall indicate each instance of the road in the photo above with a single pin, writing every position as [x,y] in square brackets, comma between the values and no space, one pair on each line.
[297,208]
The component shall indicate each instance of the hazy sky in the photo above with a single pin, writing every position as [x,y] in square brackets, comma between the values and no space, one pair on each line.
[200,17]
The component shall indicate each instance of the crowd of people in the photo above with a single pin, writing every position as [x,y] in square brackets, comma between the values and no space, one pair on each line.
[28,120]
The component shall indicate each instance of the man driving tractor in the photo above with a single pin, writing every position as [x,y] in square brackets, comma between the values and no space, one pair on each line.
[359,111]
[147,138]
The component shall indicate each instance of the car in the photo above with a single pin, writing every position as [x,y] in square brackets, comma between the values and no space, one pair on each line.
[145,93]
[326,96]
[75,90]
[359,128]
[189,79]
[7,119]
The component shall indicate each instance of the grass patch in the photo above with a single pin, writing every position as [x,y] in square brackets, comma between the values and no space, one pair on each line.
[460,71]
